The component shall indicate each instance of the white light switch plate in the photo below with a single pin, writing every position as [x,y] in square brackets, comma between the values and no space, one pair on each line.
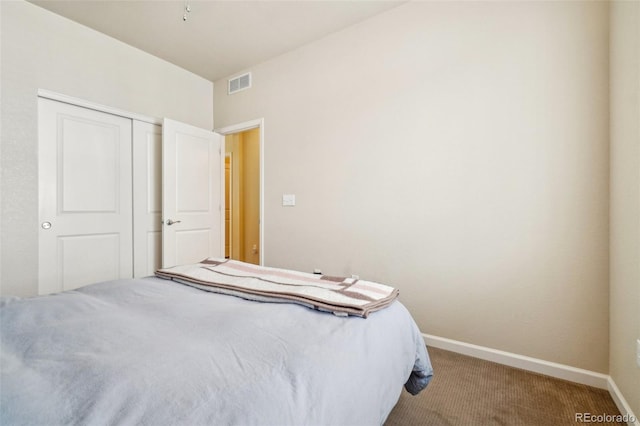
[288,200]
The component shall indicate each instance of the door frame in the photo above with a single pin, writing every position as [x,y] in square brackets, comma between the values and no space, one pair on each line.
[239,128]
[55,96]
[228,205]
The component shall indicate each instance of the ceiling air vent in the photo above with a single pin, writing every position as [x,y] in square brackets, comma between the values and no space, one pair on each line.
[239,83]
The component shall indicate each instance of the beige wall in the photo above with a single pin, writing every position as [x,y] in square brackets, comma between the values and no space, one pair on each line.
[458,151]
[625,199]
[41,50]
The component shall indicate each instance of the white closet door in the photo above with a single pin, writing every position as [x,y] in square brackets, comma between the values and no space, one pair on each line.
[193,194]
[85,210]
[147,198]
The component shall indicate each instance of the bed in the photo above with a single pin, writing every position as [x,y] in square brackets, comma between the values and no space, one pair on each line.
[154,351]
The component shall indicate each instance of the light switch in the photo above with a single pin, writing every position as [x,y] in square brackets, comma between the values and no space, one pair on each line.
[288,200]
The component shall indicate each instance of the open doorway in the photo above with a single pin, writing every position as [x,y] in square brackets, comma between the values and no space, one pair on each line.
[243,192]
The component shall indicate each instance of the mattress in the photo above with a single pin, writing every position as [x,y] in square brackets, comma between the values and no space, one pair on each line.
[155,352]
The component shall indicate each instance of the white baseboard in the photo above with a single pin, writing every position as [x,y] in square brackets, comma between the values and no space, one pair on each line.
[622,403]
[560,371]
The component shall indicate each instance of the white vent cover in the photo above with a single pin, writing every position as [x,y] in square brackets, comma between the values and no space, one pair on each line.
[241,82]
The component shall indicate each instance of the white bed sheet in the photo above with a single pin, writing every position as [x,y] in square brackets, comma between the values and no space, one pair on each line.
[155,352]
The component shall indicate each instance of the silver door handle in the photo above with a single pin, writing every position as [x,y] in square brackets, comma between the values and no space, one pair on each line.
[171,222]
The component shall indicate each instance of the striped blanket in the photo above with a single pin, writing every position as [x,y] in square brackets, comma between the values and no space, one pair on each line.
[338,295]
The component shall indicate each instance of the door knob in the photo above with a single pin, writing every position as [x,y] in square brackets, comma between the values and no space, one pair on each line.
[171,222]
[46,225]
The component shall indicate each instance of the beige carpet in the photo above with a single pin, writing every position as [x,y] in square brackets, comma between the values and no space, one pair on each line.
[468,391]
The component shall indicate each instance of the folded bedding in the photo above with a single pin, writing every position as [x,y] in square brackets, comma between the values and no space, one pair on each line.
[341,296]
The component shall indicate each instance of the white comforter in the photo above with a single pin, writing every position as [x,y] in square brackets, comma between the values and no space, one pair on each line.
[155,352]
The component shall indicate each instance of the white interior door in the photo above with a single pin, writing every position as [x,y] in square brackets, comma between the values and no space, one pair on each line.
[192,194]
[147,198]
[85,211]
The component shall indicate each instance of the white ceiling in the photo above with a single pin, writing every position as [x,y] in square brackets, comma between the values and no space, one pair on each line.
[219,38]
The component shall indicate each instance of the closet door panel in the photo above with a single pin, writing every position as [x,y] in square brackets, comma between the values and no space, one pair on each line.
[85,196]
[100,263]
[147,200]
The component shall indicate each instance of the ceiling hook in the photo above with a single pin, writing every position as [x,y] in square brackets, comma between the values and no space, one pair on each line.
[187,9]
